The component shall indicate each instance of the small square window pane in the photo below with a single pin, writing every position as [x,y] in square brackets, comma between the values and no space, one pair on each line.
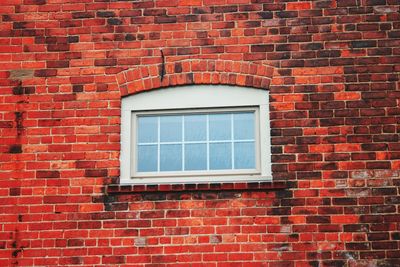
[147,158]
[245,155]
[220,156]
[195,157]
[170,157]
[147,129]
[170,128]
[220,126]
[243,126]
[195,127]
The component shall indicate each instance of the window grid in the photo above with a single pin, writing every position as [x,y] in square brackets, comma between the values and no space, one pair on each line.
[183,144]
[232,144]
[207,142]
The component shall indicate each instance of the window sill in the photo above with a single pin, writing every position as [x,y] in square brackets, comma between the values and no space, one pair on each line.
[252,186]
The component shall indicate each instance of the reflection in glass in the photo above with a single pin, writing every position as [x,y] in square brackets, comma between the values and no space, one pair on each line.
[170,157]
[220,156]
[220,126]
[195,157]
[147,129]
[170,128]
[243,126]
[147,158]
[244,155]
[212,141]
[195,127]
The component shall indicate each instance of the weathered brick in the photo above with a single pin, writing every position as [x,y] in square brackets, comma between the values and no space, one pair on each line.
[332,75]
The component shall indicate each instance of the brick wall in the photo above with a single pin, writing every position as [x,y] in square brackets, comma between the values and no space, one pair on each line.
[332,68]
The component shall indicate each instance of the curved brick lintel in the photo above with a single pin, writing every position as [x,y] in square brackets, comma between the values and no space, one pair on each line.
[195,72]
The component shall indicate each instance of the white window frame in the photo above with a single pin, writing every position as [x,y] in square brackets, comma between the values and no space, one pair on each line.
[193,99]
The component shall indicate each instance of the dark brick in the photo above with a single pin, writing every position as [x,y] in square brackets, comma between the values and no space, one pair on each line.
[262,48]
[96,173]
[105,14]
[165,19]
[47,174]
[105,62]
[46,73]
[114,21]
[58,47]
[76,88]
[83,15]
[73,39]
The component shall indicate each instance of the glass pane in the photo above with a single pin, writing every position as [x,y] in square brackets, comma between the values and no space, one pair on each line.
[147,129]
[220,156]
[245,155]
[195,157]
[195,127]
[243,126]
[170,157]
[220,126]
[147,158]
[170,128]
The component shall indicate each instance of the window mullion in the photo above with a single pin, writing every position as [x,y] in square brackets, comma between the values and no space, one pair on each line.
[232,144]
[183,143]
[158,143]
[208,141]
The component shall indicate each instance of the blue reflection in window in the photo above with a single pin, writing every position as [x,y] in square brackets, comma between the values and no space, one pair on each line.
[220,126]
[244,155]
[211,141]
[170,128]
[243,126]
[147,129]
[170,157]
[147,158]
[195,157]
[220,156]
[195,127]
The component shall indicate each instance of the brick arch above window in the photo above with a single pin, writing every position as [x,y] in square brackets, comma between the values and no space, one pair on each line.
[198,71]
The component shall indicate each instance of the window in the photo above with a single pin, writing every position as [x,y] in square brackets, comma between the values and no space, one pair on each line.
[195,134]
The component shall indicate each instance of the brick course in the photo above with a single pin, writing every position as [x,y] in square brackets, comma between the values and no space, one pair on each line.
[332,69]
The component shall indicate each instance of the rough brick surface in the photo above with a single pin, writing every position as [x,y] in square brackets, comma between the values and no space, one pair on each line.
[332,68]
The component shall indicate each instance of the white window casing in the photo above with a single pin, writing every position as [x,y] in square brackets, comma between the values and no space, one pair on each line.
[192,99]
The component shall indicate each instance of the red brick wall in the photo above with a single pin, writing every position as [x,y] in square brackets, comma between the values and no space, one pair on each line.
[332,68]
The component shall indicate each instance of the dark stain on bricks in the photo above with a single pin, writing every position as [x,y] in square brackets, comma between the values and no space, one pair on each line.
[114,21]
[6,124]
[108,202]
[15,191]
[19,121]
[130,37]
[105,14]
[178,67]
[20,90]
[20,25]
[35,2]
[73,39]
[6,18]
[15,149]
[190,77]
[76,260]
[46,72]
[17,249]
[96,173]
[77,88]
